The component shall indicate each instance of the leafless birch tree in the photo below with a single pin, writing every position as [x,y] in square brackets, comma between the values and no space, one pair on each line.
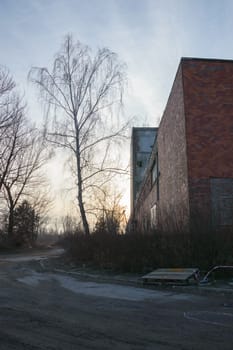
[81,92]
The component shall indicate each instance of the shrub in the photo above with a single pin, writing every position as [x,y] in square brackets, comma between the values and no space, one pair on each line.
[142,253]
[24,225]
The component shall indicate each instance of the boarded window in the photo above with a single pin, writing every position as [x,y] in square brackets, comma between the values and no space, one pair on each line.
[226,211]
[222,201]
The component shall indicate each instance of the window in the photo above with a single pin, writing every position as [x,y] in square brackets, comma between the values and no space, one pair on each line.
[154,171]
[153,216]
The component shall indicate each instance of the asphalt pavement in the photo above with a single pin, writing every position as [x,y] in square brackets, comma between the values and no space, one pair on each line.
[45,304]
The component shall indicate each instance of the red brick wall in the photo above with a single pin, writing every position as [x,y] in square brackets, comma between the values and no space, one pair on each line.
[173,182]
[208,97]
[208,90]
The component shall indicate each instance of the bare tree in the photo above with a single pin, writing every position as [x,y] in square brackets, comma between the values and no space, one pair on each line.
[81,92]
[22,150]
[24,178]
[111,215]
[11,117]
[10,142]
[41,201]
[7,86]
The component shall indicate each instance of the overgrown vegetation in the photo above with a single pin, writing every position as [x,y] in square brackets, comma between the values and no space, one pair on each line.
[142,253]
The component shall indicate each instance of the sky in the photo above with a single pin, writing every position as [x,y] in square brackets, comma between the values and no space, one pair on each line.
[150,36]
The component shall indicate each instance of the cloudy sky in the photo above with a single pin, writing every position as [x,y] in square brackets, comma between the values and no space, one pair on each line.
[149,35]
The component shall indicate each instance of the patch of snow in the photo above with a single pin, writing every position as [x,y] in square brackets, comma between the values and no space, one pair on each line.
[105,290]
[23,258]
[33,280]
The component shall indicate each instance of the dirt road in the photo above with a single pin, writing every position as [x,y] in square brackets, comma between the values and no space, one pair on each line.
[46,309]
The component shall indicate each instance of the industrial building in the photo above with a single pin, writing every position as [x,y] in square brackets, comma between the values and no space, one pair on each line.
[142,141]
[188,178]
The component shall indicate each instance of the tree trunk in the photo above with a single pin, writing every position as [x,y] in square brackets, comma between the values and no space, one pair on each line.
[11,214]
[82,211]
[80,189]
[10,224]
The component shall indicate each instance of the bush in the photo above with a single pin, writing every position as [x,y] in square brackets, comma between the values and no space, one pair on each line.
[117,252]
[142,253]
[21,226]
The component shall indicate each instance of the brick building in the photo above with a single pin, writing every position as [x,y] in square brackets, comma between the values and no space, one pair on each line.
[189,177]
